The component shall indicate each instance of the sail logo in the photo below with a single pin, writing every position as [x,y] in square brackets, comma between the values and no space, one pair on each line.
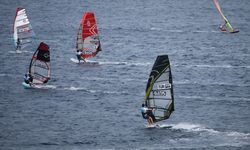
[161,89]
[164,86]
[46,55]
[93,30]
[88,23]
[87,52]
[159,92]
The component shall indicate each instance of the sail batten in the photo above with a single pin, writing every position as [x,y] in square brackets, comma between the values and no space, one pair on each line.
[159,90]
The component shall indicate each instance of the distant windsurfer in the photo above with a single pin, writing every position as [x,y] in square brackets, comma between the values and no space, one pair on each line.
[223,27]
[227,27]
[28,79]
[148,114]
[18,45]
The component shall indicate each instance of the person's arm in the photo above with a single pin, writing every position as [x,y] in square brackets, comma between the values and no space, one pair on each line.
[143,115]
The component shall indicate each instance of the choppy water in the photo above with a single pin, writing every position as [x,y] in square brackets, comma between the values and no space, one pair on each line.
[97,106]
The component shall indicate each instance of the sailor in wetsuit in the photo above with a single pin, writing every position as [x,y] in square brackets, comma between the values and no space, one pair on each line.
[28,79]
[18,44]
[223,27]
[78,55]
[148,114]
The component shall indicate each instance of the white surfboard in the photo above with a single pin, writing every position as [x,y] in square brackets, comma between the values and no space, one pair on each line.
[82,62]
[74,60]
[28,86]
[152,126]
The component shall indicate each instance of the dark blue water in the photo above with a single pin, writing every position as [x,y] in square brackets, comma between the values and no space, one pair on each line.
[97,106]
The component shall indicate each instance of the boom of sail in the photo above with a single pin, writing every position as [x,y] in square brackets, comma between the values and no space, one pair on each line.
[88,41]
[159,91]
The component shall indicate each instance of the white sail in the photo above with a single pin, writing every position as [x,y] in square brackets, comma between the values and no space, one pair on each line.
[22,29]
[159,92]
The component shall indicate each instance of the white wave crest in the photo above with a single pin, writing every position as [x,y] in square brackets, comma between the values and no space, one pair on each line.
[3,75]
[199,128]
[19,52]
[72,88]
[124,63]
[210,66]
[48,87]
[238,134]
[112,63]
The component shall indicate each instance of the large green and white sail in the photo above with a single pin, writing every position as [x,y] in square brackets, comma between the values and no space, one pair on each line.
[159,91]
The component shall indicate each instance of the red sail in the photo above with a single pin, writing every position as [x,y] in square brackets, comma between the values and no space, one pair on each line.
[87,38]
[89,25]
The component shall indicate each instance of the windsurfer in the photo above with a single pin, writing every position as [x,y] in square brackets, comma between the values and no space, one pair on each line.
[223,27]
[79,57]
[18,44]
[147,114]
[28,78]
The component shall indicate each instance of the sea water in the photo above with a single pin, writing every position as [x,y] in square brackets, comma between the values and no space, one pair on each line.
[97,106]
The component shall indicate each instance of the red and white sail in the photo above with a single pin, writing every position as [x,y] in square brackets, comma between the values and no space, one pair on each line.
[22,28]
[39,68]
[87,37]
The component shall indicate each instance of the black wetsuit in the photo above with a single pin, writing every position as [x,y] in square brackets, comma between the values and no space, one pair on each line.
[144,115]
[150,114]
[28,79]
[18,44]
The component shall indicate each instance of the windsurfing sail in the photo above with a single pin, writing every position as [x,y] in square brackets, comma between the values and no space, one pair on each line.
[22,29]
[159,91]
[39,67]
[228,26]
[88,41]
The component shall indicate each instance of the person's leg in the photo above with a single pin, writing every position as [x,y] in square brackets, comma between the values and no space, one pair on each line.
[77,56]
[151,115]
[84,60]
[17,47]
[150,121]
